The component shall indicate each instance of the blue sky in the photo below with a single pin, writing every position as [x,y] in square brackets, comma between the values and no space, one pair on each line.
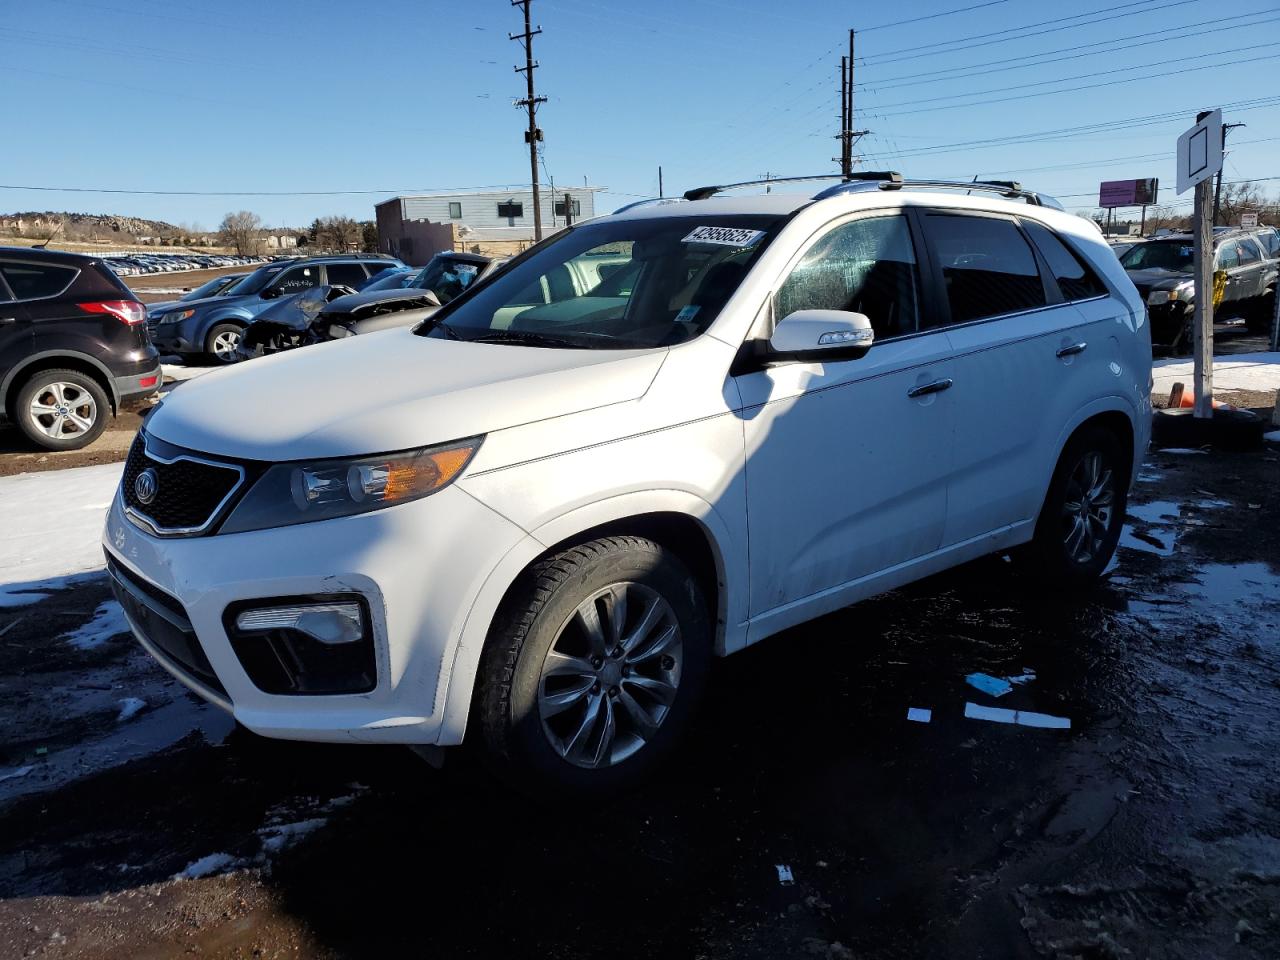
[405,95]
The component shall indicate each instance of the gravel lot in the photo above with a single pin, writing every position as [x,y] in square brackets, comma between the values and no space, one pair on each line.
[1150,828]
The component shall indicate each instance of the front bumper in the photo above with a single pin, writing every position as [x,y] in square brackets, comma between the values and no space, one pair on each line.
[419,566]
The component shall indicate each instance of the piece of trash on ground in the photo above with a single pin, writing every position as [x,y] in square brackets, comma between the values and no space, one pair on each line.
[129,708]
[1023,718]
[784,875]
[998,686]
[919,714]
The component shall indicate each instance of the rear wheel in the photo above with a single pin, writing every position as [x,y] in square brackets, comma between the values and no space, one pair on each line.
[223,341]
[1083,511]
[594,667]
[62,409]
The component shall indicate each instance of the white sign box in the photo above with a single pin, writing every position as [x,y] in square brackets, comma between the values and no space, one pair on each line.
[1200,152]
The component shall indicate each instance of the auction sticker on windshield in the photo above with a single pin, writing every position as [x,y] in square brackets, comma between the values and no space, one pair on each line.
[725,236]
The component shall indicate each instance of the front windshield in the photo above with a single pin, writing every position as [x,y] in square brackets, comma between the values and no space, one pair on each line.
[209,289]
[614,284]
[256,280]
[446,276]
[1174,255]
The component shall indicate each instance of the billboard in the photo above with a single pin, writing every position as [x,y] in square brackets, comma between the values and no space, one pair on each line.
[1128,193]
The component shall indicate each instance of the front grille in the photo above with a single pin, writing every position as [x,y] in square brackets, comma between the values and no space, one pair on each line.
[190,492]
[160,621]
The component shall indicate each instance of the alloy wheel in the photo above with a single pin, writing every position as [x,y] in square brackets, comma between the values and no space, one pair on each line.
[61,410]
[225,345]
[1088,507]
[610,677]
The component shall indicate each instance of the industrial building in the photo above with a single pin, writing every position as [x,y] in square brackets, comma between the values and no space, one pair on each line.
[498,223]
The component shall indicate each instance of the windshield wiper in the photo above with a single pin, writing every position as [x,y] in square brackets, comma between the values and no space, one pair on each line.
[528,337]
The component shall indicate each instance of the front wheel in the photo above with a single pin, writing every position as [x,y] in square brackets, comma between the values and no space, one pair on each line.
[223,342]
[1083,512]
[593,668]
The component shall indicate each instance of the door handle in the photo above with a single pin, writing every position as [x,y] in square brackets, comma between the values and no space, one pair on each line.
[1072,350]
[927,388]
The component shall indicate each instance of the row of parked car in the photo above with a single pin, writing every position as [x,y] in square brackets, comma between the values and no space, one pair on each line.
[1246,264]
[136,264]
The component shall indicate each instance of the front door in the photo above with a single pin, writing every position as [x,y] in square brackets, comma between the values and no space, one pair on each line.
[847,462]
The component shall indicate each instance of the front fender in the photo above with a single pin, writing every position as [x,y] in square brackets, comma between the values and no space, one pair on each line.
[731,564]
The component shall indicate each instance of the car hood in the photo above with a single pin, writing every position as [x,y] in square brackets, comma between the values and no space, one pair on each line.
[161,306]
[353,301]
[388,391]
[1157,279]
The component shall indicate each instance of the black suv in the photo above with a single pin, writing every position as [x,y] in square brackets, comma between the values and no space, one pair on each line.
[1162,268]
[211,328]
[73,346]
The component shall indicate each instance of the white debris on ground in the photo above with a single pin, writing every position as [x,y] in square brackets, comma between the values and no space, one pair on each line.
[130,707]
[1237,371]
[108,621]
[52,525]
[213,863]
[180,371]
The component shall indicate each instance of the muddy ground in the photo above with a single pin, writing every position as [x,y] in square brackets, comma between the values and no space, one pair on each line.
[1149,828]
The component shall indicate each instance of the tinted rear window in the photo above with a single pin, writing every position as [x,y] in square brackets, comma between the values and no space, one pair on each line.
[1075,279]
[987,266]
[29,281]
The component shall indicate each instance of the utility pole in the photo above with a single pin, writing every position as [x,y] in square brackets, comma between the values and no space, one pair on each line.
[1217,190]
[531,103]
[659,182]
[848,130]
[845,156]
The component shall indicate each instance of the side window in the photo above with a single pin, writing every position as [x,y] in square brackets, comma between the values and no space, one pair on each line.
[346,274]
[1075,279]
[31,281]
[1228,256]
[1248,252]
[987,266]
[866,266]
[299,278]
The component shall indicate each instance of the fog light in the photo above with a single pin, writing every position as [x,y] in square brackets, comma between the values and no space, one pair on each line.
[331,623]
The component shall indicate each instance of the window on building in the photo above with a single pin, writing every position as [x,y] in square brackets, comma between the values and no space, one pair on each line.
[511,210]
[576,208]
[455,209]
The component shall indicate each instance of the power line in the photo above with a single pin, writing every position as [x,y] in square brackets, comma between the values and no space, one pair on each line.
[931,49]
[256,193]
[933,16]
[1079,76]
[1038,59]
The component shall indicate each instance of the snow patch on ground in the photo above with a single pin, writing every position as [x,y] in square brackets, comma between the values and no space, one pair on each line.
[1239,371]
[213,863]
[108,621]
[130,707]
[52,524]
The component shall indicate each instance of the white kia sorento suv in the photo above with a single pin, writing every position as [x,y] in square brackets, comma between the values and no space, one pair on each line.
[654,438]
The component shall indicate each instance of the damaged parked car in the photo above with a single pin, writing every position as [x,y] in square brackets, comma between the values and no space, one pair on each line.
[334,313]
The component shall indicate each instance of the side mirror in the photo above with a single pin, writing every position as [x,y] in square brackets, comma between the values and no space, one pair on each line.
[821,335]
[270,293]
[430,297]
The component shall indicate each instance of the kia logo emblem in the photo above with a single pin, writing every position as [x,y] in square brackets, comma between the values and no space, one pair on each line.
[146,486]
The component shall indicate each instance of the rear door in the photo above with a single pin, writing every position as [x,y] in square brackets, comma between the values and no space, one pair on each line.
[38,290]
[1021,350]
[15,329]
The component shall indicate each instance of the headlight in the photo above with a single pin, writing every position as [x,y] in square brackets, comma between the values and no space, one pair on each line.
[1157,297]
[290,493]
[175,316]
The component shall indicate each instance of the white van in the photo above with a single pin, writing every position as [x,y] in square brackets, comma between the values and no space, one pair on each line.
[534,520]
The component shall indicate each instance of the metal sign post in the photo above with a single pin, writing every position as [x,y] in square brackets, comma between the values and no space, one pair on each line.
[1199,158]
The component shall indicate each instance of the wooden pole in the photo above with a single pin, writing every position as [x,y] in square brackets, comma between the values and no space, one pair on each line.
[1202,331]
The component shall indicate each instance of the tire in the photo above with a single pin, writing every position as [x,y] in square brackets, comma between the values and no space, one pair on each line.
[222,341]
[61,409]
[1062,552]
[548,695]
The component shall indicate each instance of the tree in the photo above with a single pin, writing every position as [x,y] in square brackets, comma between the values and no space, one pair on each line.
[369,236]
[243,231]
[339,234]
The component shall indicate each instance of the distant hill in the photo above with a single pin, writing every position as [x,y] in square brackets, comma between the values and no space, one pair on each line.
[88,225]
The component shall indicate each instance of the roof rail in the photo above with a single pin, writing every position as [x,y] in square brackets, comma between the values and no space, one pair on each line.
[702,193]
[651,202]
[1011,189]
